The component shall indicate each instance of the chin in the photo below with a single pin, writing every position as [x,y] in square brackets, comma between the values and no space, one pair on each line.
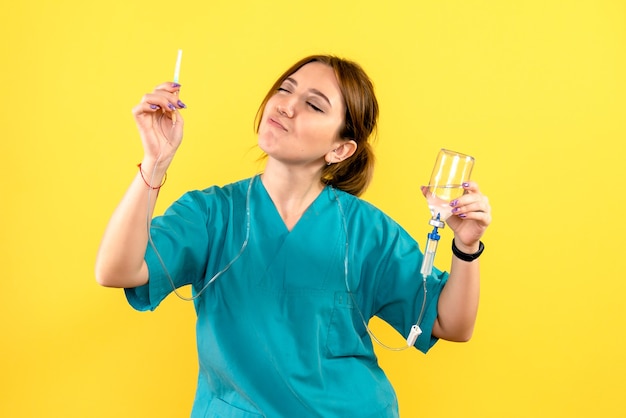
[263,144]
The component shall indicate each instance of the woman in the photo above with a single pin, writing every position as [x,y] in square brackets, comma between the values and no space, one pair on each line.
[287,267]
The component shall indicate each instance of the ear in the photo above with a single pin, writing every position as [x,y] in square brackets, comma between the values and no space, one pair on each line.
[343,151]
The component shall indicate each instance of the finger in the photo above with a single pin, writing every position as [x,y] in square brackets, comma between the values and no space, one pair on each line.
[483,217]
[163,97]
[153,102]
[145,107]
[469,203]
[171,91]
[469,208]
[169,87]
[471,187]
[160,97]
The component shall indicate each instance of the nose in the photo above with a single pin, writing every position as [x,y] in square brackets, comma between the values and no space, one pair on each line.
[285,108]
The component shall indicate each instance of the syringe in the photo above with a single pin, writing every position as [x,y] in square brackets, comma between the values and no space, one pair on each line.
[176,79]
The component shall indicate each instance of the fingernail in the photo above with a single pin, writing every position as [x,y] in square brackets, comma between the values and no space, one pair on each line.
[181,104]
[455,210]
[154,107]
[466,184]
[454,202]
[171,106]
[463,215]
[175,85]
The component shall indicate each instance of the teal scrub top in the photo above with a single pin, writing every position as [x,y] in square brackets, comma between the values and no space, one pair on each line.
[278,334]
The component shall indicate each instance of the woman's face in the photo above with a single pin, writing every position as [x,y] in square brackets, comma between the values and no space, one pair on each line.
[302,120]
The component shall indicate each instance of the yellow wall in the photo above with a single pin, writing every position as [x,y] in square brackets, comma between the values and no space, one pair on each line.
[535,90]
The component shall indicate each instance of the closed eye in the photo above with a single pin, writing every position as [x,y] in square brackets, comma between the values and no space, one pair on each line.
[317,109]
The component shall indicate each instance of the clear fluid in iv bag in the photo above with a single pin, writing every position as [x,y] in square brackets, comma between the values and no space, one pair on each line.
[439,200]
[439,206]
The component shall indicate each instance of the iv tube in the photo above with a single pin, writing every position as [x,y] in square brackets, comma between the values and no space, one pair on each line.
[415,329]
[426,270]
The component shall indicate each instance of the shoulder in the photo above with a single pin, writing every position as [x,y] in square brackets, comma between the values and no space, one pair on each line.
[366,215]
[374,233]
[211,202]
[356,205]
[225,193]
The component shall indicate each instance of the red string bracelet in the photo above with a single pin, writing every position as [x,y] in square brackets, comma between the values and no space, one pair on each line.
[148,184]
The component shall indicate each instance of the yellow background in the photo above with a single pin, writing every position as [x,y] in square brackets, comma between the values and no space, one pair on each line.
[534,90]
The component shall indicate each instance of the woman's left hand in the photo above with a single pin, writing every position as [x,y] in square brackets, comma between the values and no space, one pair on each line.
[471,215]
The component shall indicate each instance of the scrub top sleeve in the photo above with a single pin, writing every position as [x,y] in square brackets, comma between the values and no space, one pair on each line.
[177,255]
[434,285]
[400,291]
[150,295]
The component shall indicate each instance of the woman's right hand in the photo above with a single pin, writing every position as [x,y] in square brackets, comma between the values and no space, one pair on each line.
[160,123]
[120,261]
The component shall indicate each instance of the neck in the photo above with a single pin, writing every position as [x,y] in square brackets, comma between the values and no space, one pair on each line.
[291,190]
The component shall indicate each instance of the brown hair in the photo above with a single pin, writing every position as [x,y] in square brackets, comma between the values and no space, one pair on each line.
[354,174]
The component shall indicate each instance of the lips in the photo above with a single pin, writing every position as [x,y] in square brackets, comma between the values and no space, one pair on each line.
[276,123]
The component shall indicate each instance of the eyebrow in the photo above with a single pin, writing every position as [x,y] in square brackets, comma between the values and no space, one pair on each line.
[314,91]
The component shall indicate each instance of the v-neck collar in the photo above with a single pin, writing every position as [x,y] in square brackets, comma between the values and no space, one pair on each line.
[276,219]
